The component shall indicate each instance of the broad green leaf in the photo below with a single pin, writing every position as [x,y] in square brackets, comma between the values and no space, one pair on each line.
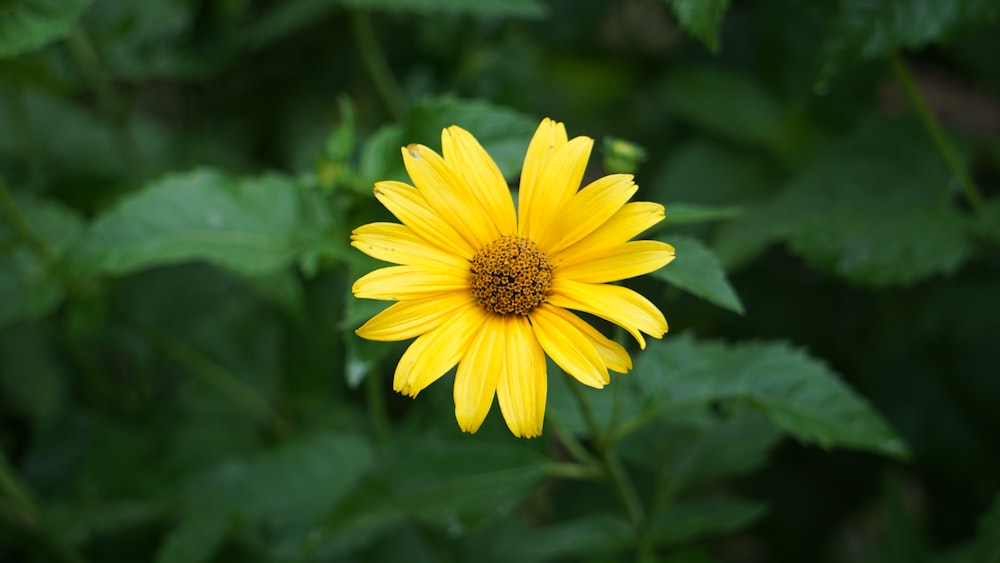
[688,213]
[253,226]
[26,25]
[877,209]
[797,393]
[587,536]
[508,8]
[870,29]
[727,104]
[285,490]
[687,521]
[504,133]
[31,285]
[701,18]
[697,271]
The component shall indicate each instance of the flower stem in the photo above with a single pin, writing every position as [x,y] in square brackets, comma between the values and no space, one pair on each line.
[936,131]
[612,465]
[377,66]
[13,215]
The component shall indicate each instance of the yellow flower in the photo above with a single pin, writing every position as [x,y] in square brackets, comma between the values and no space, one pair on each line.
[489,288]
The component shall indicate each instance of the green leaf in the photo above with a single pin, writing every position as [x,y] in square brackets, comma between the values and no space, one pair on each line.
[504,133]
[797,393]
[877,209]
[496,8]
[988,221]
[253,226]
[285,490]
[687,521]
[26,25]
[31,285]
[590,535]
[688,213]
[728,104]
[701,18]
[870,29]
[697,271]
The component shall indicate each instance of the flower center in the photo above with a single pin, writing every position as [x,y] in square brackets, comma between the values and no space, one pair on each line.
[510,276]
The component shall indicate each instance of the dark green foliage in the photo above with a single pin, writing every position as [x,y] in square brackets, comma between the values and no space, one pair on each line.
[179,376]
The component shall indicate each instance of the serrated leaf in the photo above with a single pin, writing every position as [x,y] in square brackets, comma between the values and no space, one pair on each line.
[508,8]
[797,393]
[253,226]
[697,271]
[30,284]
[687,521]
[26,25]
[727,104]
[874,28]
[876,209]
[701,18]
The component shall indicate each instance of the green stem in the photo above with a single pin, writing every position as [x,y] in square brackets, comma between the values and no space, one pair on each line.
[21,228]
[87,58]
[574,446]
[613,466]
[375,63]
[936,131]
[573,471]
[213,374]
[376,408]
[25,513]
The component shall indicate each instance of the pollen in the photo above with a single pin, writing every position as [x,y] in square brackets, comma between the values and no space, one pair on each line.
[510,276]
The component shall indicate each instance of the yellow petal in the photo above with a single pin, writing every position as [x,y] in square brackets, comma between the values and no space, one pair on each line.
[478,373]
[408,282]
[614,354]
[410,207]
[568,347]
[399,244]
[617,304]
[628,222]
[482,176]
[548,138]
[433,354]
[588,209]
[448,195]
[523,386]
[555,186]
[620,262]
[414,317]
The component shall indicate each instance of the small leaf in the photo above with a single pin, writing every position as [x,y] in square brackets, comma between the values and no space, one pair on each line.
[795,392]
[253,226]
[701,18]
[496,8]
[697,271]
[687,521]
[26,25]
[30,284]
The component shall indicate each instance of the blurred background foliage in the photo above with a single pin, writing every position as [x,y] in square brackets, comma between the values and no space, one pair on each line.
[180,381]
